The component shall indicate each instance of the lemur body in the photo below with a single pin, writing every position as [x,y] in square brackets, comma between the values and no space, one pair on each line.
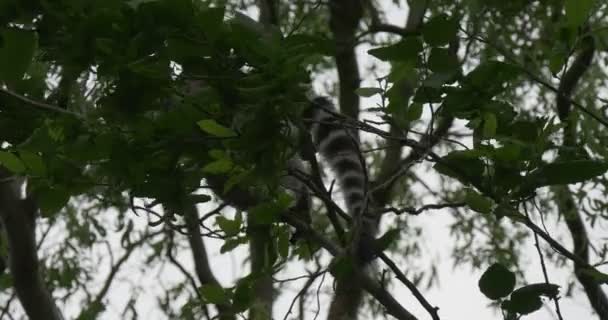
[340,149]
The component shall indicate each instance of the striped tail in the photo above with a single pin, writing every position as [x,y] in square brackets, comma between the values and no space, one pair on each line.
[340,149]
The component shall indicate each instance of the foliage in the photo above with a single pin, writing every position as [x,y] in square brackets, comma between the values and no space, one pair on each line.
[114,107]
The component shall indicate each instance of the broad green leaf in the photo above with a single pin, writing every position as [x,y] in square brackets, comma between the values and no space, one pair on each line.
[215,294]
[491,77]
[577,11]
[440,30]
[283,242]
[367,91]
[566,172]
[600,277]
[428,94]
[52,199]
[538,289]
[526,299]
[229,227]
[387,239]
[406,50]
[269,212]
[33,162]
[497,282]
[522,305]
[11,162]
[218,166]
[342,267]
[244,295]
[17,49]
[477,202]
[462,165]
[414,112]
[489,125]
[215,129]
[232,243]
[442,61]
[211,20]
[199,198]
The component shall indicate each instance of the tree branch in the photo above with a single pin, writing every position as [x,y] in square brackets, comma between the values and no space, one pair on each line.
[18,218]
[563,196]
[201,260]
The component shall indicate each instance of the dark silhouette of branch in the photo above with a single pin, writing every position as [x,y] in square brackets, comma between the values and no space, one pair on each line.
[534,77]
[201,259]
[563,196]
[417,211]
[96,305]
[39,105]
[18,217]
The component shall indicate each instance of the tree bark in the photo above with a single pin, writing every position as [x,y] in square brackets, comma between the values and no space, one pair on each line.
[563,196]
[201,259]
[18,218]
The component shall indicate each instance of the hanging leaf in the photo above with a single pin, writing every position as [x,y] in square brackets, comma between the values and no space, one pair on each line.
[17,49]
[440,30]
[497,282]
[406,50]
[11,162]
[577,11]
[215,294]
[215,129]
[367,91]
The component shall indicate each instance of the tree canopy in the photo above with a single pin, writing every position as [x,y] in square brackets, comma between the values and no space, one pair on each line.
[135,133]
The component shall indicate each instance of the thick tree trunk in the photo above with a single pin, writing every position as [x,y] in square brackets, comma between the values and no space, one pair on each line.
[18,218]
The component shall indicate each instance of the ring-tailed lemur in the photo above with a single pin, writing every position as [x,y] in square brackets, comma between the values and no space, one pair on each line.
[340,149]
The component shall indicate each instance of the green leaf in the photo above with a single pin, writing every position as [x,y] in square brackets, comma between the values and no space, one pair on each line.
[218,166]
[414,112]
[489,125]
[566,172]
[51,200]
[199,198]
[497,282]
[214,294]
[442,61]
[387,239]
[440,30]
[33,162]
[283,243]
[477,202]
[211,20]
[342,267]
[577,11]
[215,129]
[526,299]
[11,162]
[522,305]
[367,91]
[406,50]
[17,49]
[491,77]
[269,212]
[538,289]
[229,227]
[244,295]
[462,165]
[232,243]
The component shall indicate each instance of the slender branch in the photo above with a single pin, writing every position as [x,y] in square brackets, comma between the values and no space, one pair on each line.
[39,105]
[201,260]
[414,211]
[96,305]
